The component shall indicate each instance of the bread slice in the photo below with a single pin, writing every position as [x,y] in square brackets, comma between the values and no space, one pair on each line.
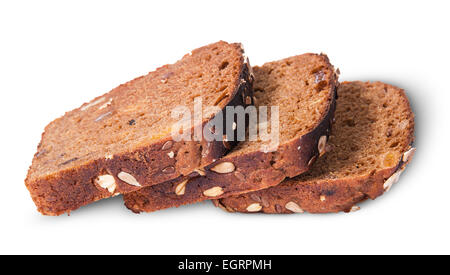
[121,141]
[303,87]
[370,147]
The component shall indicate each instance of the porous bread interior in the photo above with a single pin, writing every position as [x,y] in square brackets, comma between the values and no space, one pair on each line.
[137,113]
[300,87]
[374,127]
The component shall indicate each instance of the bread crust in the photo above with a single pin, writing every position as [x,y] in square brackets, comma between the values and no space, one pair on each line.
[70,189]
[253,171]
[324,196]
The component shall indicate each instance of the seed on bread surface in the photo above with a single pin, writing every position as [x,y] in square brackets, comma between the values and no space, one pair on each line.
[128,178]
[292,206]
[40,153]
[254,207]
[265,202]
[171,154]
[180,190]
[278,208]
[239,176]
[392,180]
[200,171]
[106,182]
[214,192]
[93,103]
[167,145]
[224,168]
[322,145]
[105,105]
[408,155]
[169,170]
[255,197]
[312,160]
[102,116]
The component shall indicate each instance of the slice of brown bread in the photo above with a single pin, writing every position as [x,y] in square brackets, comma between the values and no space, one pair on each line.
[370,146]
[304,89]
[121,141]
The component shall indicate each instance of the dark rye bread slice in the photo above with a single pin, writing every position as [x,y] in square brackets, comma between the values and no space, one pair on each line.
[370,146]
[304,88]
[121,141]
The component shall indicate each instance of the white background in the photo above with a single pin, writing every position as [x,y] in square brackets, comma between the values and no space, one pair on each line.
[55,55]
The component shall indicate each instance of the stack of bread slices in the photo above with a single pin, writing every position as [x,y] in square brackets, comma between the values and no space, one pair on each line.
[320,146]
